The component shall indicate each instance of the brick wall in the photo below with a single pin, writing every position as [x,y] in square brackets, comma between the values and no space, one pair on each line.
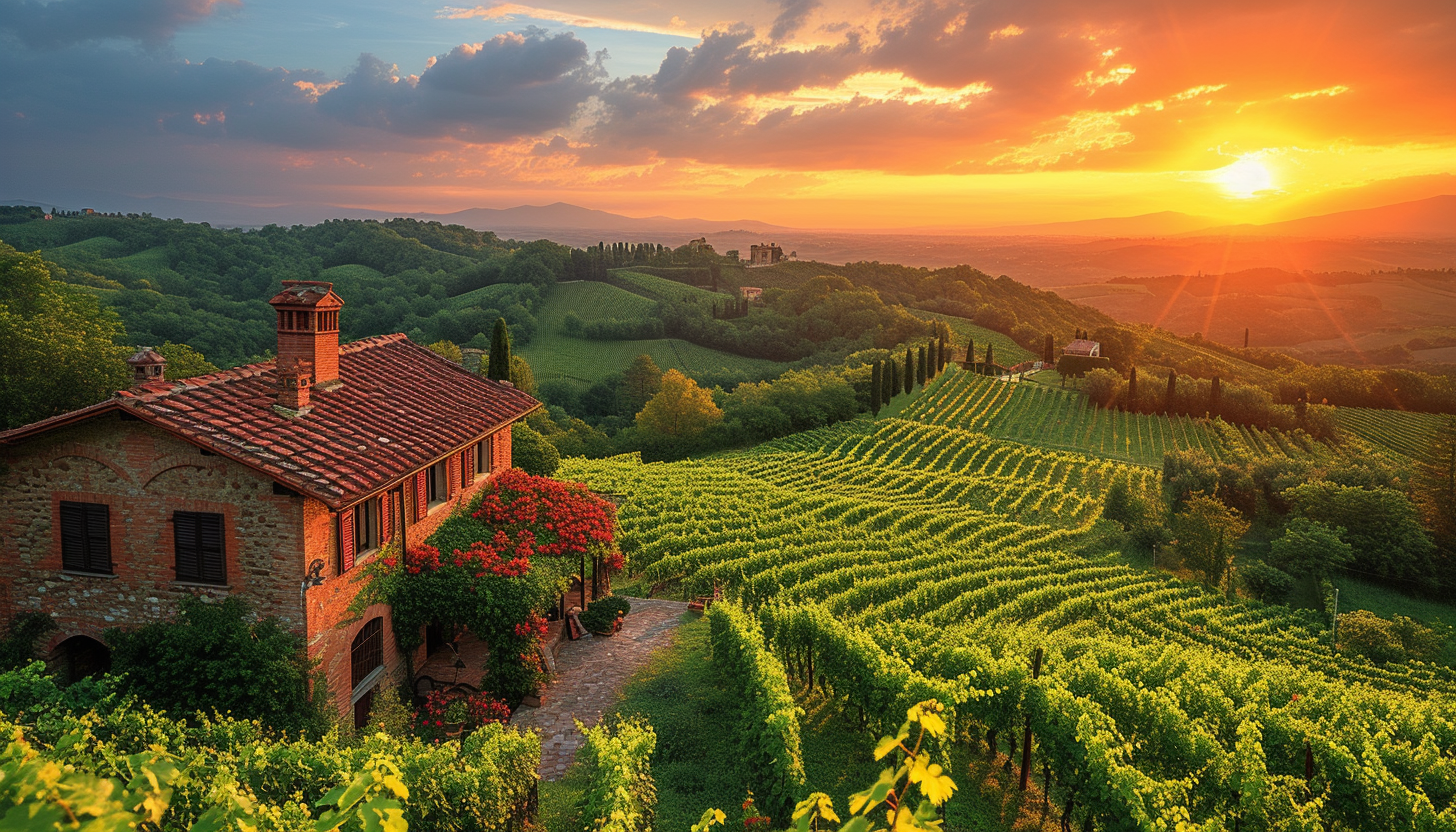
[143,475]
[331,627]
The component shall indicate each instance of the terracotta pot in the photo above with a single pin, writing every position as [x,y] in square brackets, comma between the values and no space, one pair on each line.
[454,729]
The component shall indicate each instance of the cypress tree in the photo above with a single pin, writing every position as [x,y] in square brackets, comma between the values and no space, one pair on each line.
[990,360]
[1246,337]
[920,366]
[876,383]
[1172,391]
[499,367]
[909,378]
[893,373]
[971,353]
[1132,390]
[1215,392]
[944,353]
[1046,350]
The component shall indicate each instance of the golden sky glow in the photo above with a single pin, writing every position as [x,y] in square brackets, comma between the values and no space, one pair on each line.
[816,113]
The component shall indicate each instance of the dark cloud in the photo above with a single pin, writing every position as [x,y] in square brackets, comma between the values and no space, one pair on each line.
[792,17]
[511,85]
[60,23]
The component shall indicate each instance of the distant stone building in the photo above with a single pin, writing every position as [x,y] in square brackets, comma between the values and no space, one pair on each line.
[765,255]
[700,244]
[751,293]
[1082,346]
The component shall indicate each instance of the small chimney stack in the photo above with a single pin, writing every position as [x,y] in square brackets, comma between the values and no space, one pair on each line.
[308,328]
[147,365]
[295,382]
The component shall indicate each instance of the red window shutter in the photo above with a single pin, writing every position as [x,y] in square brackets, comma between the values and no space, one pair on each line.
[386,520]
[467,466]
[346,540]
[452,473]
[422,494]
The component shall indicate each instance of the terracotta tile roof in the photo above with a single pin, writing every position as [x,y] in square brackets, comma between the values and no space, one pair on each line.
[1081,346]
[400,407]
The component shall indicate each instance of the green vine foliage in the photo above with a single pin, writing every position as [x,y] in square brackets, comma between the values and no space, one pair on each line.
[620,794]
[769,745]
[126,766]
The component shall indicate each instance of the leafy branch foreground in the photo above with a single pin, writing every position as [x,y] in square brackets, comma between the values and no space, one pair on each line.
[895,792]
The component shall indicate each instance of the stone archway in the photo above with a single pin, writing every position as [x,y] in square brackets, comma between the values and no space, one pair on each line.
[77,658]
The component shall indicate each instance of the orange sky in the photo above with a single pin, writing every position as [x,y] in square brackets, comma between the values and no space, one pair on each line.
[802,112]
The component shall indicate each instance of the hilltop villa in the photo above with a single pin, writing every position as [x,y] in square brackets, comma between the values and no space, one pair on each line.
[273,481]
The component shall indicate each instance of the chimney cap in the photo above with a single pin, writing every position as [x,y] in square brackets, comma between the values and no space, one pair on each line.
[315,294]
[145,357]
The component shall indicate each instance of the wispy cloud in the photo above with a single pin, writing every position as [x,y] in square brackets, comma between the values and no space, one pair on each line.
[502,11]
[1331,92]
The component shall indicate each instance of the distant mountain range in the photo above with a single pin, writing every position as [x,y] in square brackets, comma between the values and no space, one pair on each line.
[1432,217]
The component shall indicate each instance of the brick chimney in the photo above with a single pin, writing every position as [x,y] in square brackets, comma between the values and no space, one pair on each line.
[295,382]
[147,365]
[308,328]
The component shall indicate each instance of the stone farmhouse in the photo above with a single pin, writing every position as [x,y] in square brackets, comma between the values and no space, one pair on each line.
[275,481]
[1082,346]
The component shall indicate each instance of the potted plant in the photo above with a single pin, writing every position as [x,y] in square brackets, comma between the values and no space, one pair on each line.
[456,715]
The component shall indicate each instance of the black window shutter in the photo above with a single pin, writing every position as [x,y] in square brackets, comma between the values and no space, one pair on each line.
[214,570]
[73,536]
[199,540]
[184,532]
[86,537]
[98,537]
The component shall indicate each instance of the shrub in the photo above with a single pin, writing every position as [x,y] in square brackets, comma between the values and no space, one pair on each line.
[601,615]
[531,453]
[620,794]
[1266,583]
[18,647]
[213,655]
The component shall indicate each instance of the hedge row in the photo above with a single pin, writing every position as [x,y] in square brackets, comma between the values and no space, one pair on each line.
[769,730]
[620,795]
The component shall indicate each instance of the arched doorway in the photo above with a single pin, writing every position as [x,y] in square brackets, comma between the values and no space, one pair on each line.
[366,658]
[78,657]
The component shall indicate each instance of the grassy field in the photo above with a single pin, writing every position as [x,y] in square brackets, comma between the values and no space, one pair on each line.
[660,288]
[1007,351]
[1049,417]
[554,355]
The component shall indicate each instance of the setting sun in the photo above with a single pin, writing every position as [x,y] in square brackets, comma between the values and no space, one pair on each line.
[1244,179]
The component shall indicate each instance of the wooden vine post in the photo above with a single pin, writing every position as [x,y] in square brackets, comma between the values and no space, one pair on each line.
[1026,737]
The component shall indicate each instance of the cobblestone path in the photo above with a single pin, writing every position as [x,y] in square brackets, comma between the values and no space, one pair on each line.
[590,673]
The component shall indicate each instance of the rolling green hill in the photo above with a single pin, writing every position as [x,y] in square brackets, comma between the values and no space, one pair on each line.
[554,355]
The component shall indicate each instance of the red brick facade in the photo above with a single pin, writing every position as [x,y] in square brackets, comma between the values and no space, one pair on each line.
[281,473]
[143,474]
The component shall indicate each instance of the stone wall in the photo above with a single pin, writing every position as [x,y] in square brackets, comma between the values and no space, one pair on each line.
[143,474]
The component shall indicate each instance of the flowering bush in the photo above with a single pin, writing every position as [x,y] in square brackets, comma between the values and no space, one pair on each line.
[493,568]
[472,709]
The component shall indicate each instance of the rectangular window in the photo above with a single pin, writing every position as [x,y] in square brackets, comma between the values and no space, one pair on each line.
[366,526]
[86,537]
[198,538]
[439,483]
[483,456]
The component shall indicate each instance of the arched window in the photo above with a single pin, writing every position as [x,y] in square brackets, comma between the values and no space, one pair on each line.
[366,655]
[78,657]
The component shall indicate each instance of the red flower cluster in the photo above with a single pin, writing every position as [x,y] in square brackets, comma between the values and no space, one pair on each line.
[615,562]
[480,708]
[423,558]
[565,518]
[491,557]
[533,627]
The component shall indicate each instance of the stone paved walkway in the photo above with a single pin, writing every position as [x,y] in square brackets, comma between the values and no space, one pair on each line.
[590,673]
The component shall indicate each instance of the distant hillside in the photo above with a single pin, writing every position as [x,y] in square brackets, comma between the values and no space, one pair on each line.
[1432,217]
